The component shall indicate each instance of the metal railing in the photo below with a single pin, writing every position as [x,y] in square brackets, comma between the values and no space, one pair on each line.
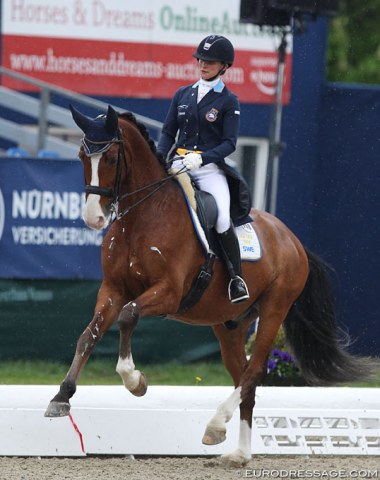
[47,115]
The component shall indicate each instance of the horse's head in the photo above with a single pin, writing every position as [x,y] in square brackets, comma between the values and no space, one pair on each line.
[101,155]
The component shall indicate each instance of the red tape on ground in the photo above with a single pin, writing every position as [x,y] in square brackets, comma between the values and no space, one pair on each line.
[78,432]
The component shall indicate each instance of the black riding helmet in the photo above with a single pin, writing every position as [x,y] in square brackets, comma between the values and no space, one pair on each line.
[215,48]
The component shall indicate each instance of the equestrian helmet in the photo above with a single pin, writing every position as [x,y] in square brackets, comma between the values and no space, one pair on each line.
[215,48]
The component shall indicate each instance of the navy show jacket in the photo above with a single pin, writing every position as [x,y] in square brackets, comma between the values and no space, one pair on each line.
[210,126]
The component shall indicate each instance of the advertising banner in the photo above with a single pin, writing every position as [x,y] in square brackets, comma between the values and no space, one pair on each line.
[135,49]
[42,234]
[43,307]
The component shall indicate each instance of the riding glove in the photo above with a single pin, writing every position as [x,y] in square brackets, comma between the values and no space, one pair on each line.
[192,161]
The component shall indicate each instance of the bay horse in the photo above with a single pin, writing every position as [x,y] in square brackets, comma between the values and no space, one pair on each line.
[150,257]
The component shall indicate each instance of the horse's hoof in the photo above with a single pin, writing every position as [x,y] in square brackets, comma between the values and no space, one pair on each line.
[57,409]
[236,459]
[213,436]
[142,387]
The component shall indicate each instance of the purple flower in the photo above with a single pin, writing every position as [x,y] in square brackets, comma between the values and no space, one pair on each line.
[271,365]
[285,356]
[276,352]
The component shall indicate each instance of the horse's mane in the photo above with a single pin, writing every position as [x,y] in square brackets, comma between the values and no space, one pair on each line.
[144,132]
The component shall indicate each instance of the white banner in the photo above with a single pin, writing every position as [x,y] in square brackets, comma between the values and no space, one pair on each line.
[138,49]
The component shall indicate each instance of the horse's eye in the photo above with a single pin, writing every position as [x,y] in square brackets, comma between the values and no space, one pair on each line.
[111,159]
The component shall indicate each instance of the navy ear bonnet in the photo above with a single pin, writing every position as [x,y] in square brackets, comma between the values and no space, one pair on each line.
[99,132]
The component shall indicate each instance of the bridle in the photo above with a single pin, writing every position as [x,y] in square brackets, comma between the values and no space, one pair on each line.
[114,192]
[109,192]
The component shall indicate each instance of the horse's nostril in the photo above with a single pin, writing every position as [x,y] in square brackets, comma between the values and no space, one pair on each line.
[94,221]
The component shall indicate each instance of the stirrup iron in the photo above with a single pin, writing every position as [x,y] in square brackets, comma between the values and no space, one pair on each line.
[237,290]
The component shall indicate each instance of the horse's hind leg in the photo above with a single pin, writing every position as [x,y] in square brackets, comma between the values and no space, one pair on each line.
[272,310]
[232,345]
[106,310]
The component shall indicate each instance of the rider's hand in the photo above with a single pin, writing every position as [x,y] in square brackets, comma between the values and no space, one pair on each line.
[192,161]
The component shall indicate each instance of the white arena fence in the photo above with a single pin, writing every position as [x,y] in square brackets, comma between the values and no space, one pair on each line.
[171,421]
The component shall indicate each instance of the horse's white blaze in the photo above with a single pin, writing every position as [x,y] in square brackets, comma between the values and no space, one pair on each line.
[225,411]
[126,369]
[92,213]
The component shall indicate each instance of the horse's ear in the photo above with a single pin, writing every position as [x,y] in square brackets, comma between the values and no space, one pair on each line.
[111,120]
[81,120]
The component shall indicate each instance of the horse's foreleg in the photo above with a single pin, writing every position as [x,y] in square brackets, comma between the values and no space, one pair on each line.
[133,380]
[102,320]
[157,300]
[60,405]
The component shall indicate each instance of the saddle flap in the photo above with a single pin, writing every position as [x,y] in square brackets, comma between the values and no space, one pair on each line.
[206,209]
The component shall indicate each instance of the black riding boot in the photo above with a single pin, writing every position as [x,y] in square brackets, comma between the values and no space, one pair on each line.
[237,288]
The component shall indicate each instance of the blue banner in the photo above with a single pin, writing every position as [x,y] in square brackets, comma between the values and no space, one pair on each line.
[42,234]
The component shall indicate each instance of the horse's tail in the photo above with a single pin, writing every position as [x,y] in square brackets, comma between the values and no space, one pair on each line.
[317,343]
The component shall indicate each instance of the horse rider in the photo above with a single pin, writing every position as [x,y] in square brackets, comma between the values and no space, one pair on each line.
[206,116]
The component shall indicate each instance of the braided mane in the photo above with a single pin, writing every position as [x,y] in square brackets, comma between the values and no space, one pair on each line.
[143,130]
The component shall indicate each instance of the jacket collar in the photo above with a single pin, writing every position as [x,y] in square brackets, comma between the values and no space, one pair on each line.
[218,88]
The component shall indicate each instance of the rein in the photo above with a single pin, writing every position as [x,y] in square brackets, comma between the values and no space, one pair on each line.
[114,193]
[159,184]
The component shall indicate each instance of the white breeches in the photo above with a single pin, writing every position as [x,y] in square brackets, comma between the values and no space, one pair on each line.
[210,178]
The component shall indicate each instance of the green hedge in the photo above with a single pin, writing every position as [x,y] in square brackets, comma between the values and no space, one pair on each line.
[42,319]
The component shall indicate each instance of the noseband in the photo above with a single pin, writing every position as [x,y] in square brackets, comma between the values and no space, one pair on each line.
[114,192]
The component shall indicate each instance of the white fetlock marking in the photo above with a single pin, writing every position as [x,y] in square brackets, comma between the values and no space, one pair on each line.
[245,435]
[126,369]
[236,459]
[242,455]
[225,411]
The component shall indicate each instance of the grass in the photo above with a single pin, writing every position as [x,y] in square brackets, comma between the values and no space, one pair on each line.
[102,372]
